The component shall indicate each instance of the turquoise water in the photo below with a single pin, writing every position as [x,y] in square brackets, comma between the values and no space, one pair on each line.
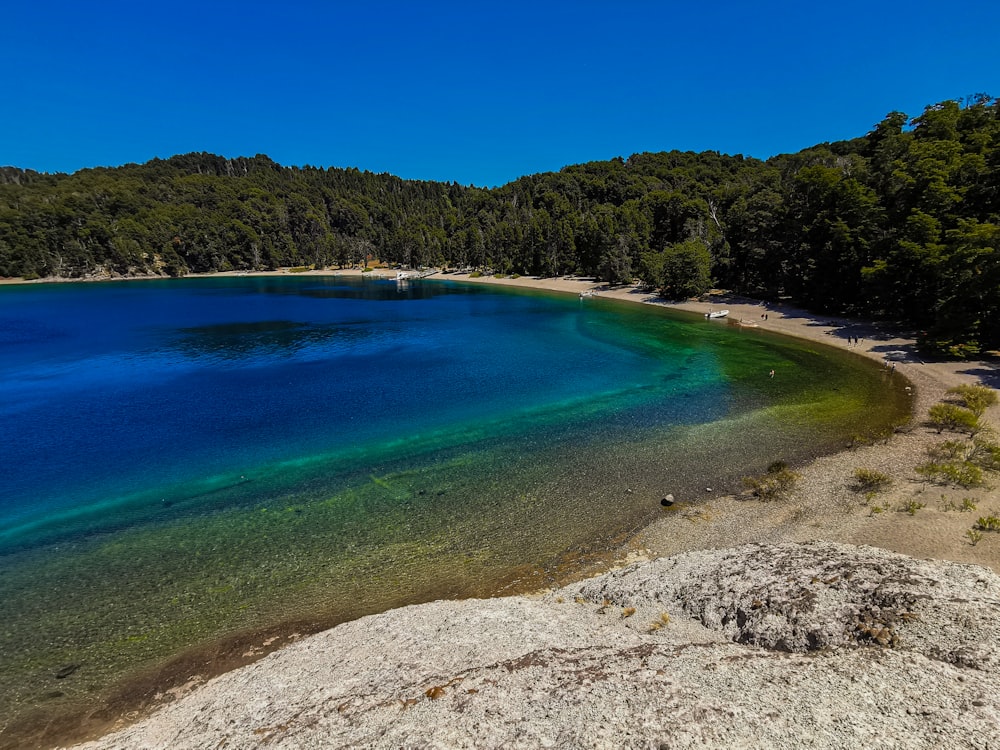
[191,461]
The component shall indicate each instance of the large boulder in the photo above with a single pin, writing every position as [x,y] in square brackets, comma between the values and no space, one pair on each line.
[819,645]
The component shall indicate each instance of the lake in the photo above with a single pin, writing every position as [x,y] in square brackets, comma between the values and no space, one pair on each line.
[195,470]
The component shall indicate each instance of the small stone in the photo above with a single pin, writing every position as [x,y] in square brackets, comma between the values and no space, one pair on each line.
[65,671]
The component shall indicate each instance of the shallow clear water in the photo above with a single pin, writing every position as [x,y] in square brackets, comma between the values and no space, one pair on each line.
[187,460]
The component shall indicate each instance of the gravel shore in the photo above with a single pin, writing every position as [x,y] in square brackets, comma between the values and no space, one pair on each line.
[823,506]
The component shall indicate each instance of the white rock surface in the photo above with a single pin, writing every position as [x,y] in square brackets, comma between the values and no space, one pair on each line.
[814,645]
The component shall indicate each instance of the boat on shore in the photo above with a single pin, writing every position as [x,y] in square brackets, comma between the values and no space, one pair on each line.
[717,314]
[410,275]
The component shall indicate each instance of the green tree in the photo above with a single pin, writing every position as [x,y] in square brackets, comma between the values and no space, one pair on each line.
[616,263]
[679,271]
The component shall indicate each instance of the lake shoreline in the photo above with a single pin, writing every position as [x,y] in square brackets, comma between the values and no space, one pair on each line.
[823,507]
[882,342]
[728,521]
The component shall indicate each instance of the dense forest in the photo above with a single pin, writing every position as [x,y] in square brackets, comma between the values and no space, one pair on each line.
[900,223]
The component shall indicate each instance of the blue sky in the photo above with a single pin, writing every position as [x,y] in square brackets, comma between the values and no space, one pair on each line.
[476,93]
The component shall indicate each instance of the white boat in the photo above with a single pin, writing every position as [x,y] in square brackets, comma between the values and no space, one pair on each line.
[407,275]
[717,314]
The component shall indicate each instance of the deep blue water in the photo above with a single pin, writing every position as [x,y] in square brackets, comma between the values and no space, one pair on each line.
[112,391]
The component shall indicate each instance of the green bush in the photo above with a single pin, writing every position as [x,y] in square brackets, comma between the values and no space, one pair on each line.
[778,481]
[911,507]
[962,462]
[959,473]
[988,523]
[976,398]
[476,275]
[874,437]
[966,506]
[878,508]
[954,418]
[870,481]
[949,450]
[948,347]
[985,453]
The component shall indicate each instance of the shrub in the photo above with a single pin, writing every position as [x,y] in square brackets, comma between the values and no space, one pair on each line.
[959,473]
[950,348]
[874,437]
[981,451]
[954,418]
[949,450]
[657,624]
[778,480]
[870,481]
[858,440]
[974,536]
[985,453]
[976,398]
[966,506]
[476,275]
[911,507]
[988,523]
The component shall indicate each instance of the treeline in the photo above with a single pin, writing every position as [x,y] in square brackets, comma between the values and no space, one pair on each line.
[901,223]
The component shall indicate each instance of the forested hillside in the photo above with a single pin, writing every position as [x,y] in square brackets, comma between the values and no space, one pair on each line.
[902,222]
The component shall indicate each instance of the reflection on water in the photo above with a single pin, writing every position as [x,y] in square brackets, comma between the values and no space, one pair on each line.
[267,338]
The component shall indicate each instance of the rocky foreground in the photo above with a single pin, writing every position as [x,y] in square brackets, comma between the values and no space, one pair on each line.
[768,646]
